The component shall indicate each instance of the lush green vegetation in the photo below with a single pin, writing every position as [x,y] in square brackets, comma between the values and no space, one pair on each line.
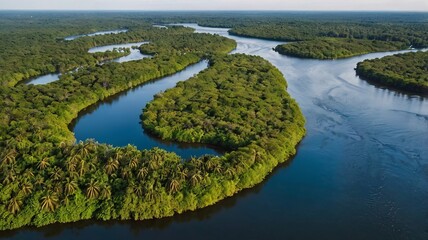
[407,33]
[408,71]
[240,104]
[333,48]
[44,176]
[238,101]
[318,31]
[35,46]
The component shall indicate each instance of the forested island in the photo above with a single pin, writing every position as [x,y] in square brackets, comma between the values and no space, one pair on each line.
[240,103]
[408,71]
[327,39]
[333,48]
[46,177]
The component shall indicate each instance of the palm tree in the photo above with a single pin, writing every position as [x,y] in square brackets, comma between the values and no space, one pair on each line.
[84,148]
[9,158]
[217,169]
[230,171]
[155,158]
[174,185]
[26,188]
[182,173]
[28,174]
[49,201]
[133,163]
[196,178]
[210,163]
[150,192]
[39,181]
[10,176]
[126,173]
[105,191]
[257,156]
[196,162]
[93,189]
[82,153]
[71,163]
[44,163]
[241,167]
[142,173]
[136,189]
[153,164]
[56,173]
[111,166]
[118,154]
[65,201]
[14,205]
[57,189]
[82,166]
[70,186]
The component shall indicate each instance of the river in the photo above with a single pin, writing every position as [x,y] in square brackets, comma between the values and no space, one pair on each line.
[360,173]
[116,120]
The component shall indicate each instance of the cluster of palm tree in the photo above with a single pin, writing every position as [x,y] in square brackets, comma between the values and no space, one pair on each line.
[145,173]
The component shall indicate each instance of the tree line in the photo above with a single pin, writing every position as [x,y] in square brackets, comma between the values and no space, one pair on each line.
[408,71]
[46,177]
[333,48]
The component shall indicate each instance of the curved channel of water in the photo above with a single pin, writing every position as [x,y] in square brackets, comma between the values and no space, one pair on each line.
[70,38]
[360,173]
[134,55]
[116,120]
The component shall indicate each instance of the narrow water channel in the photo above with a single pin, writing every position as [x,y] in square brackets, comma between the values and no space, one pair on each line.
[360,173]
[116,121]
[134,55]
[70,38]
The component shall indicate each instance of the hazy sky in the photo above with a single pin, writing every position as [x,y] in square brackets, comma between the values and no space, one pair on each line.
[394,5]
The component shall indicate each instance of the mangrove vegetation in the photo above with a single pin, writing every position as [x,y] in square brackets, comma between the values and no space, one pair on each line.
[408,71]
[46,177]
[333,48]
[239,103]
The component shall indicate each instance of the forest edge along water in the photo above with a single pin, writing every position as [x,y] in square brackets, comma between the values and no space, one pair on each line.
[122,113]
[361,168]
[134,55]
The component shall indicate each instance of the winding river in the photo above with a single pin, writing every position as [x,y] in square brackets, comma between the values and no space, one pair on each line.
[360,173]
[116,121]
[70,38]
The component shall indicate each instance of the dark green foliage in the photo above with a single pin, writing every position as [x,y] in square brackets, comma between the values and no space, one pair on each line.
[49,180]
[408,71]
[31,47]
[333,48]
[45,177]
[414,34]
[237,101]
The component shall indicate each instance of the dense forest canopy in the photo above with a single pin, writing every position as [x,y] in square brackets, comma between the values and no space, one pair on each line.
[408,71]
[46,177]
[333,48]
[231,105]
[33,43]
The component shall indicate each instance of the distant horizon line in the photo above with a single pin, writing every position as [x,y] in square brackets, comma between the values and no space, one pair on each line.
[210,10]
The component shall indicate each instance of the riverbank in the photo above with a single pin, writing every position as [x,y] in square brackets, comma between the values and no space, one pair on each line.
[406,72]
[335,48]
[87,182]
